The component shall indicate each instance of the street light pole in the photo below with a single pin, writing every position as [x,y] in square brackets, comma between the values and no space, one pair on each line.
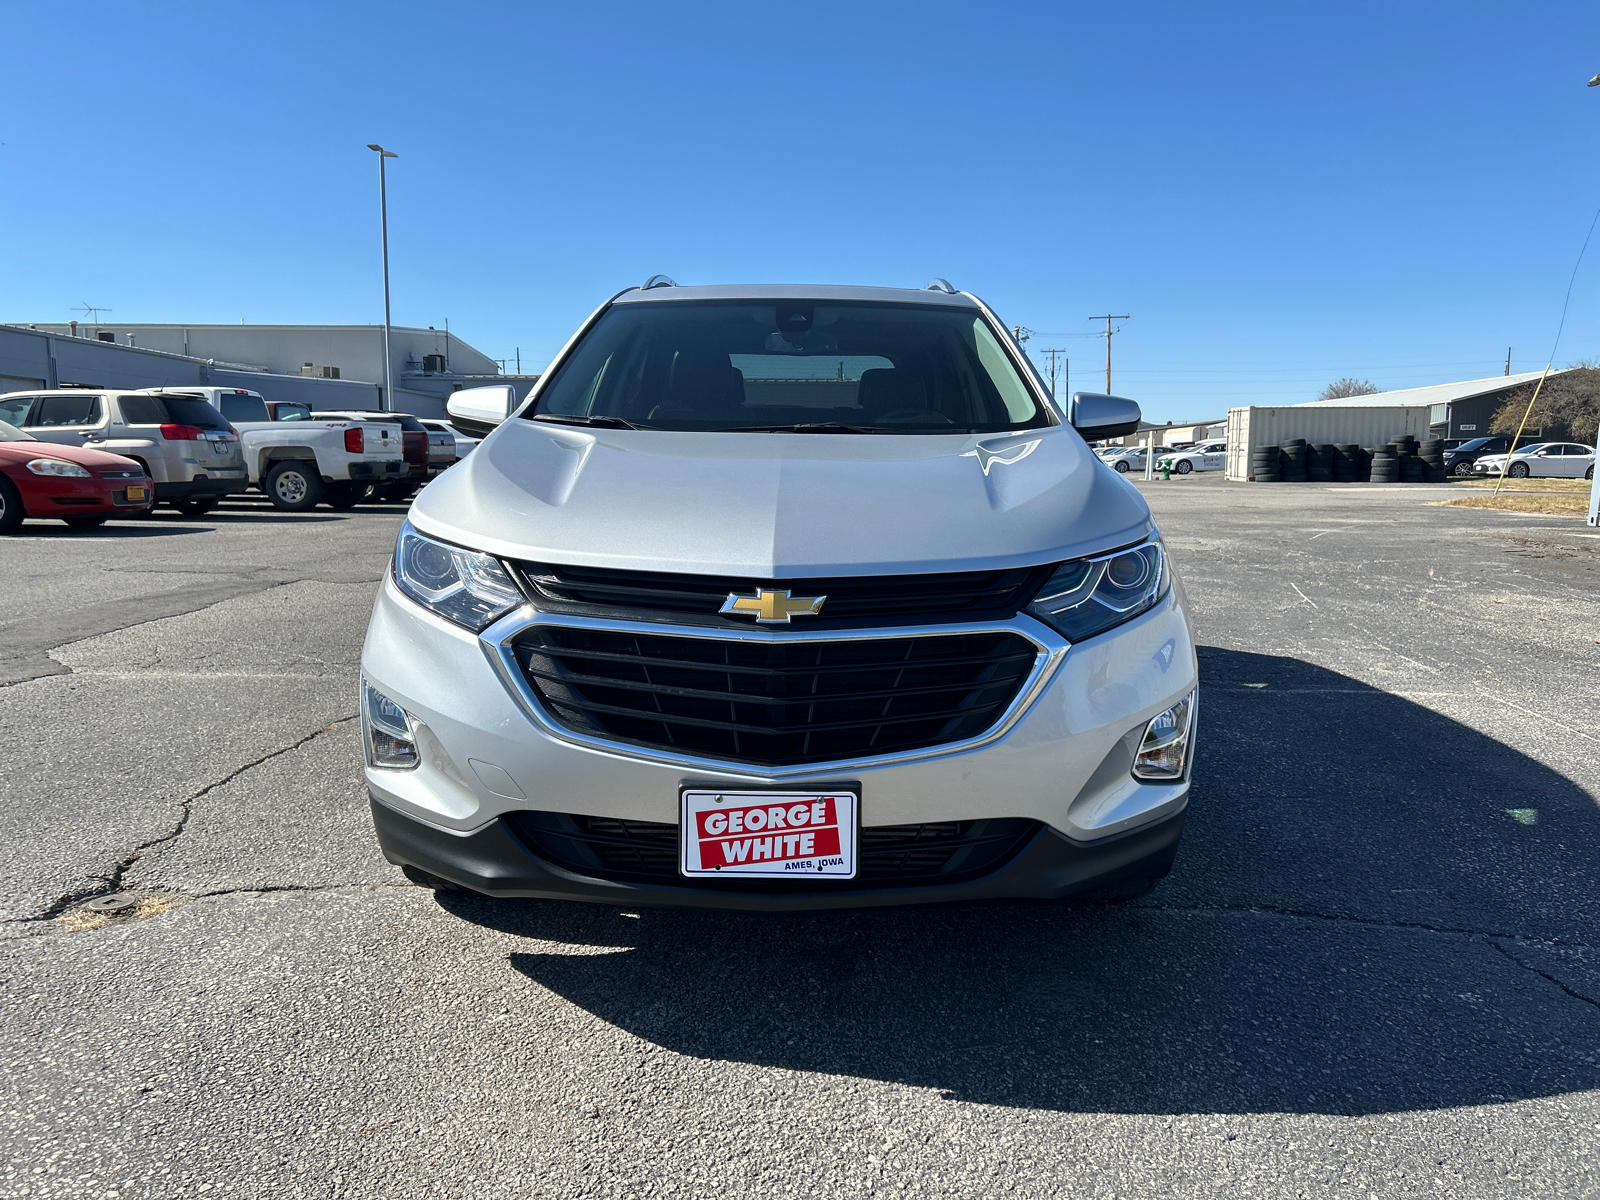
[383,210]
[1594,487]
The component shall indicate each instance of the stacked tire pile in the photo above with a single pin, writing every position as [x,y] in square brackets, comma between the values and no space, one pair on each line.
[1403,460]
[1351,464]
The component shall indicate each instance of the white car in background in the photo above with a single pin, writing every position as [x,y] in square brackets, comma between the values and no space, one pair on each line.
[1123,459]
[1546,460]
[464,442]
[1208,456]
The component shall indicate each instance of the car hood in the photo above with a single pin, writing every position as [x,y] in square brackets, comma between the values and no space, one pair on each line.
[782,505]
[84,457]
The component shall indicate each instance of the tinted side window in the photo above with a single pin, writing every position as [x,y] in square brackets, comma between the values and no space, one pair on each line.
[244,408]
[14,410]
[173,410]
[293,412]
[68,410]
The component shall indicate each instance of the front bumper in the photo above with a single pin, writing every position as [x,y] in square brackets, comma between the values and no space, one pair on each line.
[53,496]
[1061,758]
[495,861]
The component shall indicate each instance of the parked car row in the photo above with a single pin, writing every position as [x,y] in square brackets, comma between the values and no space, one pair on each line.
[1203,456]
[191,446]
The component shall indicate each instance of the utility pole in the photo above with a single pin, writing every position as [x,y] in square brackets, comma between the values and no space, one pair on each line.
[1054,395]
[519,360]
[1508,360]
[1108,318]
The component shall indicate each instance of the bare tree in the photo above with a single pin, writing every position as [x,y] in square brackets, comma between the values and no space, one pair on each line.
[1343,389]
[1568,407]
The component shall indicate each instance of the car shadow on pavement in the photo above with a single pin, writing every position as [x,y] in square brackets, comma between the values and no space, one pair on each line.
[1356,924]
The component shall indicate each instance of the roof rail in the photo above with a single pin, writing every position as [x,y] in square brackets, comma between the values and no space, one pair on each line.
[940,284]
[656,281]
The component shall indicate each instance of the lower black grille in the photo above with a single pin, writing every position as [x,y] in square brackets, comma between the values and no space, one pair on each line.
[774,703]
[624,851]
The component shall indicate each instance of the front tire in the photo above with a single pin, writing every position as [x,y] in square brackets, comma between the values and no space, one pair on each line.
[1122,468]
[1519,471]
[1461,468]
[1184,466]
[425,880]
[11,512]
[294,486]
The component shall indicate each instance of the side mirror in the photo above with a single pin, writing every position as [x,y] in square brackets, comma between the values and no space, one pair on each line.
[477,411]
[1097,417]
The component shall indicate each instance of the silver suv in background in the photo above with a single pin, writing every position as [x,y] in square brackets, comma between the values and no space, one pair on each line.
[187,448]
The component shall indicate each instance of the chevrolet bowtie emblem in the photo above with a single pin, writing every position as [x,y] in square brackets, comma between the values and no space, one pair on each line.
[772,607]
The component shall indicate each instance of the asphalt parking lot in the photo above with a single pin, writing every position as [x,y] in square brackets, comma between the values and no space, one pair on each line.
[1375,970]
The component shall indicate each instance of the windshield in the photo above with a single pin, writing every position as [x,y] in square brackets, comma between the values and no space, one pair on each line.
[792,365]
[1474,444]
[10,433]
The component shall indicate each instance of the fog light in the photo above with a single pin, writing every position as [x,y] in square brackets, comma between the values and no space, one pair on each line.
[1164,751]
[390,733]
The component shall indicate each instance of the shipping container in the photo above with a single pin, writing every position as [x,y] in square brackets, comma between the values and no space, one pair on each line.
[1319,424]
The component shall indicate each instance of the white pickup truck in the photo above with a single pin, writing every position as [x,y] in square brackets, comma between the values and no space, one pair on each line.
[301,463]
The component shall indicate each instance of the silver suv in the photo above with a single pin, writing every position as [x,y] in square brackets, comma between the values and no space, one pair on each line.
[188,449]
[767,598]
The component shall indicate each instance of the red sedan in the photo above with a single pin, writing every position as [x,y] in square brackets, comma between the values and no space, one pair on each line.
[83,487]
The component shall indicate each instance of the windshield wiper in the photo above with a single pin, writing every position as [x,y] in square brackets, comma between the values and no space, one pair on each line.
[598,422]
[807,427]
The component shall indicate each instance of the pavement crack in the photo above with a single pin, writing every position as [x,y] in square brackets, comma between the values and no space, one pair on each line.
[1303,914]
[112,881]
[1573,992]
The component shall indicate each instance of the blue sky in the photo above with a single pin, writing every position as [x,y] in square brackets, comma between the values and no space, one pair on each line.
[1278,193]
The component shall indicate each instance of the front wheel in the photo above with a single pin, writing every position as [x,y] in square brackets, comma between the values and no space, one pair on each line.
[1122,468]
[1461,468]
[1589,474]
[195,506]
[1184,466]
[11,512]
[294,486]
[1518,471]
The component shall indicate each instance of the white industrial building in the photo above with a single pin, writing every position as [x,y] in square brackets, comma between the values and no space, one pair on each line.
[345,361]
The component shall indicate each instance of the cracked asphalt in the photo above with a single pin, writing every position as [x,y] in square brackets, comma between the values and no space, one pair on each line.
[1375,970]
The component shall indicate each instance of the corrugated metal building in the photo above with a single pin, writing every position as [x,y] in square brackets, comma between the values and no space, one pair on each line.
[1456,410]
[341,366]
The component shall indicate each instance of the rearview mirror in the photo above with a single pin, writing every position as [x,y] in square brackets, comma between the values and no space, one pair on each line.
[477,411]
[1097,417]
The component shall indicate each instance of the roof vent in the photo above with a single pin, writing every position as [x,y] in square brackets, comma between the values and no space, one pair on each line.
[940,284]
[656,281]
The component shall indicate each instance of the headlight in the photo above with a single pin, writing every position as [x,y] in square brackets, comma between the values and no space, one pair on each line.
[468,588]
[55,466]
[1091,595]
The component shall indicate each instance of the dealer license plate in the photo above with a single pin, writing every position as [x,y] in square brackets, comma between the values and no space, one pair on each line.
[136,493]
[769,835]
